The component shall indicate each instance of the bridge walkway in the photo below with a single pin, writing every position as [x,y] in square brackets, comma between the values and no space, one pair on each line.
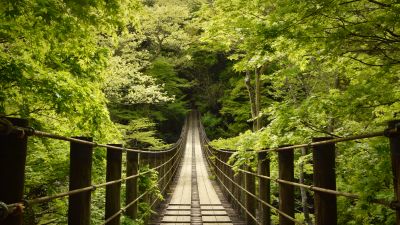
[195,198]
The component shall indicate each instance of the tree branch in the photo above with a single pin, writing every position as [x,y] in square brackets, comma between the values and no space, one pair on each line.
[365,63]
[317,129]
[380,3]
[349,2]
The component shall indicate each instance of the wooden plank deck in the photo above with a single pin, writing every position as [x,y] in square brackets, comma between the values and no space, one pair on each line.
[194,199]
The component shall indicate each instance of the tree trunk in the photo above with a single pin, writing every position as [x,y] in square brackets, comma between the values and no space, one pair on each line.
[332,120]
[250,89]
[257,98]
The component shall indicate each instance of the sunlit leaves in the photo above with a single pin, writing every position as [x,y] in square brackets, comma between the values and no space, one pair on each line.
[126,85]
[141,133]
[333,71]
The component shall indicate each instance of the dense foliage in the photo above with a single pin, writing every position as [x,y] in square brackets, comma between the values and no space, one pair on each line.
[322,68]
[89,68]
[263,74]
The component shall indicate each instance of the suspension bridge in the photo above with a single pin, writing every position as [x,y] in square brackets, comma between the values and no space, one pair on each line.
[198,184]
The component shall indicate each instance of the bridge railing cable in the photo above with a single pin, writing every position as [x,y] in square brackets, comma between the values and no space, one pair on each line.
[384,202]
[239,183]
[14,135]
[231,181]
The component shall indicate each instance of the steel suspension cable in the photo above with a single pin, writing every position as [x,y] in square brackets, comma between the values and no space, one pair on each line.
[233,196]
[124,209]
[7,127]
[169,180]
[252,195]
[28,131]
[169,170]
[383,202]
[85,189]
[141,196]
[330,141]
[169,160]
[76,191]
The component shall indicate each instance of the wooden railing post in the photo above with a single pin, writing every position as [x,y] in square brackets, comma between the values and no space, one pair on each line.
[159,160]
[325,205]
[172,165]
[175,163]
[236,190]
[163,173]
[394,138]
[132,164]
[219,165]
[152,164]
[250,201]
[230,175]
[286,191]
[113,191]
[225,169]
[13,147]
[242,194]
[80,176]
[264,187]
[145,160]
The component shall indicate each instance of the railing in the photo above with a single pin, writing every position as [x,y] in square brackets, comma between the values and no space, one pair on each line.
[14,135]
[255,203]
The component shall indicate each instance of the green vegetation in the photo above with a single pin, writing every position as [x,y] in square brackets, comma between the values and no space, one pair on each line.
[263,74]
[90,68]
[302,69]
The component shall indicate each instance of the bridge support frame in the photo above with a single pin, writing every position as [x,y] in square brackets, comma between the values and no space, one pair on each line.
[264,186]
[250,201]
[113,200]
[394,139]
[80,176]
[324,176]
[286,191]
[13,148]
[132,168]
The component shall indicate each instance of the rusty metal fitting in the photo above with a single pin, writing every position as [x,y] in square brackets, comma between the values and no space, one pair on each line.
[22,134]
[29,131]
[6,127]
[18,208]
[25,203]
[4,211]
